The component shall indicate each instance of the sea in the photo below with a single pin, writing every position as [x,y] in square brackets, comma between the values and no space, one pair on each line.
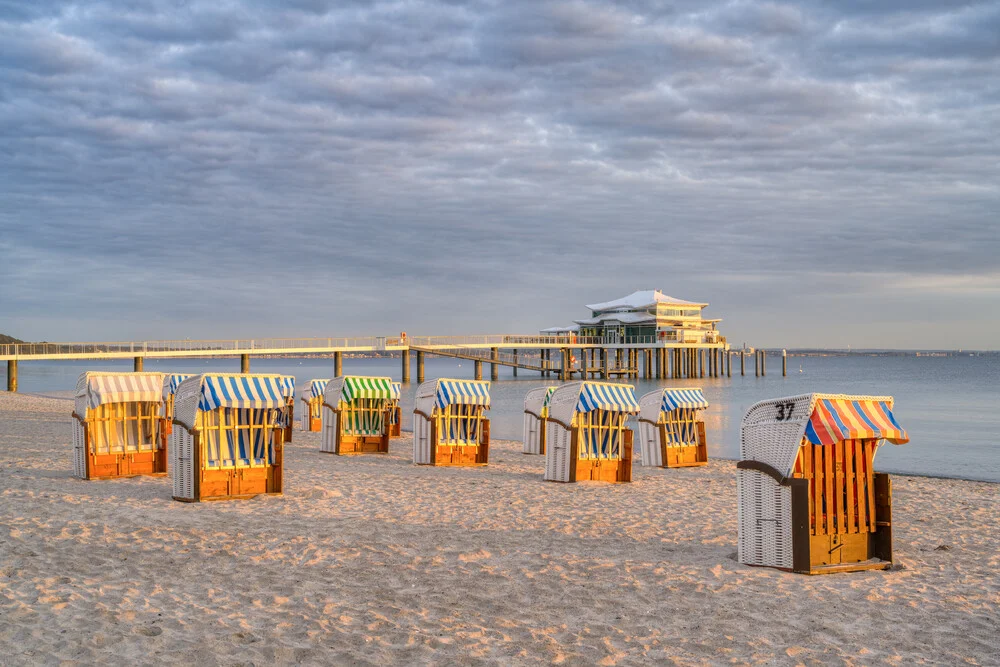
[949,405]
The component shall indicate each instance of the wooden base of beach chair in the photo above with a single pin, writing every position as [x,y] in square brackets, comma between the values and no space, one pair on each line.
[315,424]
[236,483]
[600,470]
[461,455]
[113,466]
[362,444]
[684,456]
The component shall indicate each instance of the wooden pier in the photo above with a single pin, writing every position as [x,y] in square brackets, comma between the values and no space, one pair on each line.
[561,356]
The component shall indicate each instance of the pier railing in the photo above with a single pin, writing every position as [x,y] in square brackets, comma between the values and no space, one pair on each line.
[319,345]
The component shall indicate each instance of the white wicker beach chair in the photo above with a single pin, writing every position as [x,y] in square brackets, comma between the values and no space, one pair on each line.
[450,427]
[809,500]
[671,430]
[536,411]
[117,425]
[229,436]
[585,432]
[355,415]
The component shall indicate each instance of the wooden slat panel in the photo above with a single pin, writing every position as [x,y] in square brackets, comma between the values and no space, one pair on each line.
[828,489]
[852,523]
[839,487]
[869,474]
[834,502]
[806,454]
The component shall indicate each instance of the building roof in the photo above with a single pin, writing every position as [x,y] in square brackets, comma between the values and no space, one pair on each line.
[642,299]
[560,330]
[623,317]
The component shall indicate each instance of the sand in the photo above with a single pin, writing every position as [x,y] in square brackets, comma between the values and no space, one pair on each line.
[372,560]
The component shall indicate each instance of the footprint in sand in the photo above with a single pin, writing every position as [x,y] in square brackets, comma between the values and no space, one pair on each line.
[149,630]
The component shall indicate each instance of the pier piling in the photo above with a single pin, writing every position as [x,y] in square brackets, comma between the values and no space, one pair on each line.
[494,366]
[478,366]
[244,363]
[763,363]
[515,362]
[12,375]
[405,375]
[784,363]
[137,364]
[743,362]
[420,366]
[338,364]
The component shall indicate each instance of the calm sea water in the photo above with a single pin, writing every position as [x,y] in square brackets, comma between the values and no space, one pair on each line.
[949,405]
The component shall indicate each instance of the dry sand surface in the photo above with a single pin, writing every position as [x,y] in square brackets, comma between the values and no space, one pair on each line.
[372,560]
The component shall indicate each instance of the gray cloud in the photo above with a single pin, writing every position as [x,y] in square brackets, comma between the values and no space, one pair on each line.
[275,168]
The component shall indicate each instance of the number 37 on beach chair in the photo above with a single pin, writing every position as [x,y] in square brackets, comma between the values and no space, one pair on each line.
[809,498]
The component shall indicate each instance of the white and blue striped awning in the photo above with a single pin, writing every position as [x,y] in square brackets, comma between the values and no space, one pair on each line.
[172,381]
[245,391]
[397,390]
[674,399]
[316,388]
[94,388]
[610,397]
[462,392]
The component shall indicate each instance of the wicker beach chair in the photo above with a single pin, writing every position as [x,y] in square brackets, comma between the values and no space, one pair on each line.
[586,436]
[170,383]
[117,425]
[671,430]
[449,423]
[229,435]
[809,498]
[536,411]
[311,401]
[396,411]
[355,415]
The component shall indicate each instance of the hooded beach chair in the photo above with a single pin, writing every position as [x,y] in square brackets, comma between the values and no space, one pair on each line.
[311,400]
[536,411]
[355,415]
[671,428]
[449,423]
[396,411]
[586,436]
[809,498]
[117,425]
[229,434]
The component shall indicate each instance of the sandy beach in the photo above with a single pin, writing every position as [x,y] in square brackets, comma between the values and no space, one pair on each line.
[372,560]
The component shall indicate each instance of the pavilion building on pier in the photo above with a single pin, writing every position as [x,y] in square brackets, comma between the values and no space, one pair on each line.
[645,316]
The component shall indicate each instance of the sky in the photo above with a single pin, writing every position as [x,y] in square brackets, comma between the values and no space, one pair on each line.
[823,174]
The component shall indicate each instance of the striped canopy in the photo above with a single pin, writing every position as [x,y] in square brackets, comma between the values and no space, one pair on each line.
[356,386]
[674,399]
[171,382]
[245,391]
[397,390]
[96,388]
[462,392]
[316,388]
[548,394]
[610,397]
[835,419]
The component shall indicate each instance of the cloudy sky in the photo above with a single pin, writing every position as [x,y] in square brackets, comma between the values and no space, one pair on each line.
[822,173]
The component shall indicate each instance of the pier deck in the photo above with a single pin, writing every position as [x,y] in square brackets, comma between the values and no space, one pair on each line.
[598,357]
